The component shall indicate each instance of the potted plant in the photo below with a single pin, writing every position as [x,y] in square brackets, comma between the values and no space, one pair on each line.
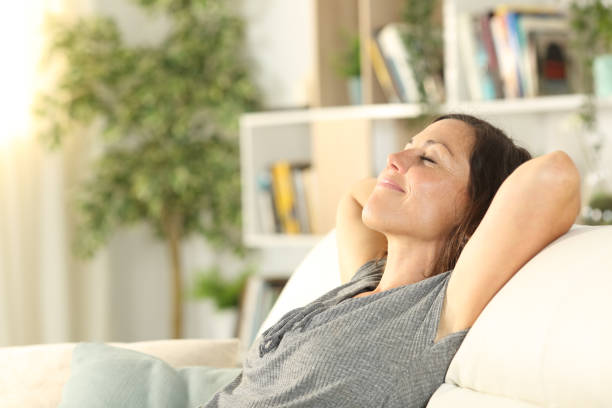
[599,209]
[167,120]
[591,24]
[215,302]
[348,66]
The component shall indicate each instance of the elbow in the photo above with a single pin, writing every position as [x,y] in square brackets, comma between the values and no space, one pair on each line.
[559,171]
[561,180]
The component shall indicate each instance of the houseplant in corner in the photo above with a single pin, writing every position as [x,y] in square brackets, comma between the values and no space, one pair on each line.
[167,119]
[591,23]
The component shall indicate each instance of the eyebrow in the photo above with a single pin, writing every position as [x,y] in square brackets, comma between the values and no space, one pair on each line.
[430,142]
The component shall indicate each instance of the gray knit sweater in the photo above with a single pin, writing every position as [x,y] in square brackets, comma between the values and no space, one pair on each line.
[340,351]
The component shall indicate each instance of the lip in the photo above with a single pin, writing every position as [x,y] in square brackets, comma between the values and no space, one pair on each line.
[389,184]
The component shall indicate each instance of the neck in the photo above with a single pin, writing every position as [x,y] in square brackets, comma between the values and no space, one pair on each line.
[408,261]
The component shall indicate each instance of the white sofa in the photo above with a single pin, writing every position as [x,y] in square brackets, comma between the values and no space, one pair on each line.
[543,341]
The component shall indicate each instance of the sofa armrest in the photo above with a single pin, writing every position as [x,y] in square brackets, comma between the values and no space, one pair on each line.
[33,376]
[190,352]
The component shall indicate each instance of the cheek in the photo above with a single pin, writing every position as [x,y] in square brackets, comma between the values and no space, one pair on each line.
[444,198]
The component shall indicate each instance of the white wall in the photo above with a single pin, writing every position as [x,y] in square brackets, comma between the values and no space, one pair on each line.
[280,42]
[280,37]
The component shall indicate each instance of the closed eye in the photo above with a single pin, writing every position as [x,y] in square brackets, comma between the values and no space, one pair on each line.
[425,158]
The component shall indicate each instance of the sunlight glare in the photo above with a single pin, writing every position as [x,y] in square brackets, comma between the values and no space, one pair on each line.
[20,40]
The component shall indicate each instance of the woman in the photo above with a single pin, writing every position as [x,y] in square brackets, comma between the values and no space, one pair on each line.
[423,248]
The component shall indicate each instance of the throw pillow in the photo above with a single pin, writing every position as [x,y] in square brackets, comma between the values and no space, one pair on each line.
[108,376]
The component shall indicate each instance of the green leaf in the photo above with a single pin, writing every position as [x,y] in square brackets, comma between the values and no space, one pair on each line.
[224,292]
[167,115]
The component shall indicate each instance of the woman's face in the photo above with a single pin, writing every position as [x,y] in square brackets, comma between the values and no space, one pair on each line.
[422,192]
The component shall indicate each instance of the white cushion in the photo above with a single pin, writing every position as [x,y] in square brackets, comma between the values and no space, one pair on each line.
[317,274]
[453,396]
[545,338]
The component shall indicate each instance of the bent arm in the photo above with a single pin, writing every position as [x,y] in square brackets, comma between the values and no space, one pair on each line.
[357,243]
[535,205]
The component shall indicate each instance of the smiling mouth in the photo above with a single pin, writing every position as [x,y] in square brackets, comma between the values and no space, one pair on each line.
[390,185]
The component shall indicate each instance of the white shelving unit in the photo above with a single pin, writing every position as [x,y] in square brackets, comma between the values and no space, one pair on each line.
[541,124]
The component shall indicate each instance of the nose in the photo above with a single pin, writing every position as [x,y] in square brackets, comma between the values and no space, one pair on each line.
[402,160]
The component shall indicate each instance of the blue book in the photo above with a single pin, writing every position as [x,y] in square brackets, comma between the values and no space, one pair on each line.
[513,30]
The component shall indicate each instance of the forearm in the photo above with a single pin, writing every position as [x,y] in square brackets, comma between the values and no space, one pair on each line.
[357,243]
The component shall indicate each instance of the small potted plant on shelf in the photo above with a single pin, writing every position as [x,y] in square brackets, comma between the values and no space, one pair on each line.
[591,24]
[214,302]
[348,65]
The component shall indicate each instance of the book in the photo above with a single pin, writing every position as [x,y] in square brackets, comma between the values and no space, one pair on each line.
[505,57]
[284,197]
[392,48]
[268,220]
[511,27]
[475,59]
[383,73]
[393,72]
[517,21]
[489,46]
[300,199]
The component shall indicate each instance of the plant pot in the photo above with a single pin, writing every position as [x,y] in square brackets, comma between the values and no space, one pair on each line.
[602,75]
[354,90]
[598,207]
[205,320]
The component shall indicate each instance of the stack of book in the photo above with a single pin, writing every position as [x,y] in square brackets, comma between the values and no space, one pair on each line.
[515,52]
[284,198]
[392,62]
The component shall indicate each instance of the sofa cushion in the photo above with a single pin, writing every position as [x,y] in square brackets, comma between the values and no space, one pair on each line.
[106,376]
[545,338]
[33,376]
[449,395]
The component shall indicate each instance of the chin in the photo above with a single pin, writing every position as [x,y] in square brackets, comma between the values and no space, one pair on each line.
[382,222]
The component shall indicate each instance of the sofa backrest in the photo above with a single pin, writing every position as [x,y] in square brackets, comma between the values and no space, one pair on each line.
[544,339]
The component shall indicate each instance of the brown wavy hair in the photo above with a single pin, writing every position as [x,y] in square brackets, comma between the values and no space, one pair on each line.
[494,157]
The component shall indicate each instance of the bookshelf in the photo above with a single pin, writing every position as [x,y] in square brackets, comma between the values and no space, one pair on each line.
[332,135]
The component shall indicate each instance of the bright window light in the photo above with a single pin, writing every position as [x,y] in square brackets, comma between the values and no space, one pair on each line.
[20,46]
